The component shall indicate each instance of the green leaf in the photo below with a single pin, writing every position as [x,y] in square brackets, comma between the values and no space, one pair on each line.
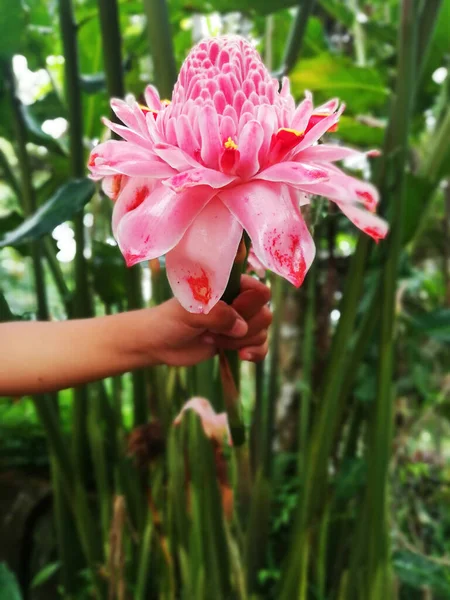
[9,222]
[435,324]
[36,135]
[68,200]
[9,588]
[12,27]
[263,7]
[418,571]
[361,133]
[108,270]
[45,574]
[361,88]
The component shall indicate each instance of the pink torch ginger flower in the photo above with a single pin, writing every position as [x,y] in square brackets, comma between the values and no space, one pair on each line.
[230,152]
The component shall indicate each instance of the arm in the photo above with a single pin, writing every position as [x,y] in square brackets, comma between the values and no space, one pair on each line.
[37,357]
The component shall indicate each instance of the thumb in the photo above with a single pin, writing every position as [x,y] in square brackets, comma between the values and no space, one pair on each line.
[221,319]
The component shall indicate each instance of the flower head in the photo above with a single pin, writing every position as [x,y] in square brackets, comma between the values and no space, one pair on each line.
[230,152]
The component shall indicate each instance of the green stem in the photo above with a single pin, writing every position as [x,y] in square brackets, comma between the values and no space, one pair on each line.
[307,362]
[161,46]
[358,35]
[82,304]
[296,36]
[378,576]
[112,59]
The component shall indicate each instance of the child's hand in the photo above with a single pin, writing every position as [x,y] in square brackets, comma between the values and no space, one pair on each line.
[185,339]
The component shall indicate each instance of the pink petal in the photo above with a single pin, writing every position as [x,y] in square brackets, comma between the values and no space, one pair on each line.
[130,113]
[175,157]
[200,176]
[151,95]
[302,115]
[112,185]
[316,132]
[215,425]
[329,153]
[159,220]
[249,144]
[116,156]
[279,235]
[371,224]
[209,131]
[185,136]
[127,134]
[294,173]
[199,266]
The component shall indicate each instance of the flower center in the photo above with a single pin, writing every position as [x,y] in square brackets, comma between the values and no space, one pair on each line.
[230,144]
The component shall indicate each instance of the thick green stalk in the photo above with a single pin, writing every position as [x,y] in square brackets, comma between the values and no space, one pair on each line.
[161,46]
[82,304]
[378,577]
[296,36]
[428,18]
[307,362]
[264,459]
[358,35]
[112,59]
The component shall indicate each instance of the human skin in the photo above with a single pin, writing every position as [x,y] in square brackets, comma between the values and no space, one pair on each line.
[39,357]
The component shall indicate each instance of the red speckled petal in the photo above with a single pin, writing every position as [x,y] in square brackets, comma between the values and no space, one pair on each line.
[148,222]
[294,173]
[199,266]
[368,222]
[280,238]
[200,176]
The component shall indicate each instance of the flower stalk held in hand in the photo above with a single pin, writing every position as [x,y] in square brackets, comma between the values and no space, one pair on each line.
[230,152]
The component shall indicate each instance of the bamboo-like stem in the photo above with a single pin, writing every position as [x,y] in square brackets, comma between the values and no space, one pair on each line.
[358,35]
[268,412]
[82,303]
[160,39]
[428,18]
[378,576]
[296,36]
[307,363]
[112,59]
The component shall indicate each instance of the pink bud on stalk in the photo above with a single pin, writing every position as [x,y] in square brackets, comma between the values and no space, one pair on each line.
[230,152]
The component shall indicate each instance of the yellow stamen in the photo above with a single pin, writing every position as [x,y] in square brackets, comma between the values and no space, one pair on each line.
[146,109]
[230,145]
[166,102]
[294,131]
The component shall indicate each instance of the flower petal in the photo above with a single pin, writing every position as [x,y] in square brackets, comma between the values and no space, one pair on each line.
[249,144]
[158,222]
[200,176]
[330,153]
[279,235]
[151,95]
[116,156]
[130,113]
[371,224]
[316,132]
[127,134]
[175,157]
[209,131]
[294,173]
[199,266]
